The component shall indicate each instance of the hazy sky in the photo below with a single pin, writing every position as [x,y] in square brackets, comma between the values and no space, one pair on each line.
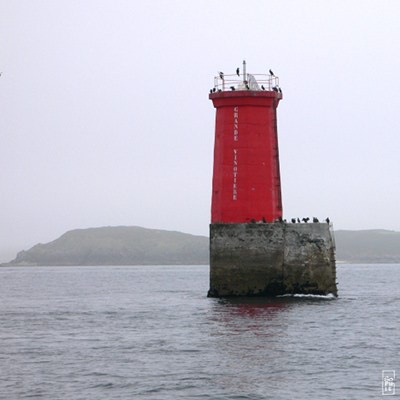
[105,117]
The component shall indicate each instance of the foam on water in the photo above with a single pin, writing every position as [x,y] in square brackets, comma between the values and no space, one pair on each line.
[329,296]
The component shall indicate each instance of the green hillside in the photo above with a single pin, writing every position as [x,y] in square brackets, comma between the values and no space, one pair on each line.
[118,246]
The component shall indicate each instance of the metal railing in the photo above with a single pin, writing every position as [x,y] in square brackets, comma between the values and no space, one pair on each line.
[248,82]
[245,81]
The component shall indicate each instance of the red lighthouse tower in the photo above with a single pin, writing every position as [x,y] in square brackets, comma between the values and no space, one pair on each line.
[253,252]
[246,179]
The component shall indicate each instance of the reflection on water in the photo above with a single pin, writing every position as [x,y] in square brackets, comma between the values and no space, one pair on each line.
[248,313]
[249,310]
[254,306]
[257,342]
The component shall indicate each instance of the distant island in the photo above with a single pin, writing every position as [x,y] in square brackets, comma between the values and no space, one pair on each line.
[368,246]
[123,245]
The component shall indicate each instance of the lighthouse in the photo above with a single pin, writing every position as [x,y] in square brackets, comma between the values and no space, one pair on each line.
[253,251]
[246,180]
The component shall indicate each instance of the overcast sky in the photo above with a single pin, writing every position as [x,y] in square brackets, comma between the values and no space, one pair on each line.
[105,117]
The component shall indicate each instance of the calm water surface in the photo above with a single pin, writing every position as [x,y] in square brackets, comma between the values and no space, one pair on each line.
[151,333]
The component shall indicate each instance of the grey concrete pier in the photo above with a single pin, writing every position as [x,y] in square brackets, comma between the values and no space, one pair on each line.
[270,259]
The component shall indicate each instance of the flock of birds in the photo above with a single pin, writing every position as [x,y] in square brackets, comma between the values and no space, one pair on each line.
[296,220]
[276,89]
[305,220]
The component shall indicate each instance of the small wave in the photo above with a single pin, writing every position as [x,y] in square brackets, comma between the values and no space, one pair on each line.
[107,385]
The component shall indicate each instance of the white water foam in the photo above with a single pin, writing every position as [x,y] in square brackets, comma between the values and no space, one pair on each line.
[329,296]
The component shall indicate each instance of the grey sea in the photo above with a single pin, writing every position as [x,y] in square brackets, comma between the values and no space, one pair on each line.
[150,332]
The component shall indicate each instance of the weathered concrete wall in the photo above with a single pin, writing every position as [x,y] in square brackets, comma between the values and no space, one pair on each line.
[271,259]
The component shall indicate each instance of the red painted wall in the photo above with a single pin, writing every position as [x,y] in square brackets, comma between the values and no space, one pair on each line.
[246,180]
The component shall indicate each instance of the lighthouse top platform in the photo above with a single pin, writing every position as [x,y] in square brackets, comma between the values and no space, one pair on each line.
[245,97]
[246,82]
[245,89]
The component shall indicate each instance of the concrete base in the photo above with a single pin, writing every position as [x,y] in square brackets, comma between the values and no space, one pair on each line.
[271,259]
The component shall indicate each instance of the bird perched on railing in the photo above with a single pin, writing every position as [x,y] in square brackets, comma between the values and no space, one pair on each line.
[221,75]
[237,71]
[271,73]
[233,88]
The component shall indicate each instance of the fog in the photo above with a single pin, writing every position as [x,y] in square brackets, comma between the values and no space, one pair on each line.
[105,117]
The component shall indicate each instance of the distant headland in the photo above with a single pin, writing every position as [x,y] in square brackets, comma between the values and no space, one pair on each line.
[133,245]
[120,245]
